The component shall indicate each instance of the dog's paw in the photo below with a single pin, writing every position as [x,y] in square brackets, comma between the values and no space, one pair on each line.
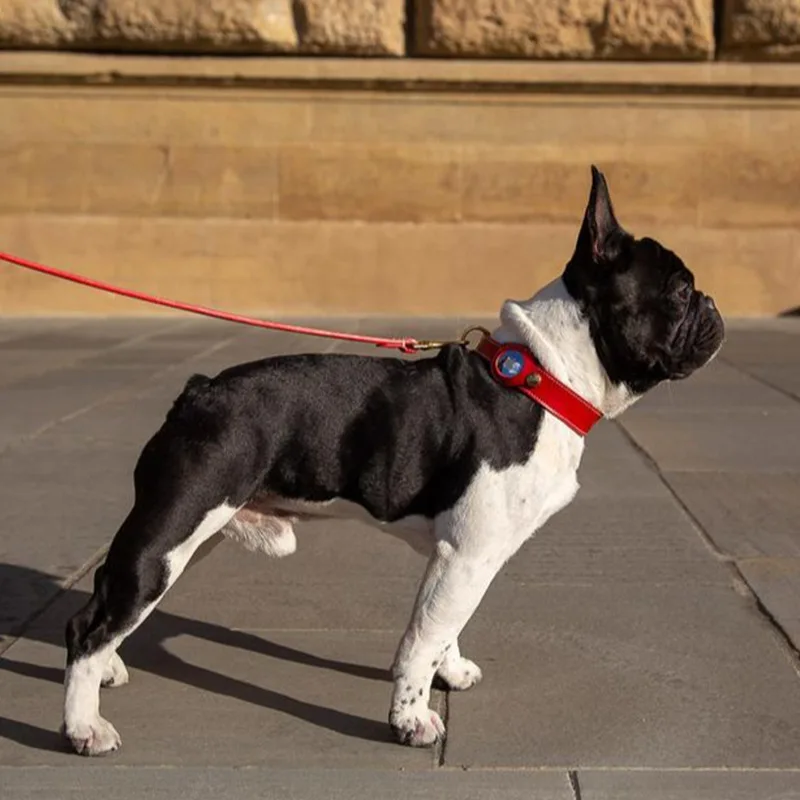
[93,739]
[115,673]
[458,675]
[417,729]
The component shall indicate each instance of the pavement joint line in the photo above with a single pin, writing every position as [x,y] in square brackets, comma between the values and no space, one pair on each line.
[64,586]
[22,334]
[538,770]
[440,748]
[623,768]
[133,391]
[740,582]
[76,362]
[780,633]
[759,379]
[574,784]
[706,538]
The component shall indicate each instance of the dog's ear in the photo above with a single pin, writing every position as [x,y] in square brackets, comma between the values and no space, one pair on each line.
[601,234]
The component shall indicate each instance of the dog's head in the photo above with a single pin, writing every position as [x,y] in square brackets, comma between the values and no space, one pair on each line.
[647,321]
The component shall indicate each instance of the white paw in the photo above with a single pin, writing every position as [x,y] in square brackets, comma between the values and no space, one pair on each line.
[93,739]
[115,674]
[416,729]
[460,675]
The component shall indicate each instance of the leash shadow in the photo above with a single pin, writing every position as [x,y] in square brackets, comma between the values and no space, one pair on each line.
[146,651]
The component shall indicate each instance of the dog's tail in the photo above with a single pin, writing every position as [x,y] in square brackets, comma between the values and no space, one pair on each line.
[196,385]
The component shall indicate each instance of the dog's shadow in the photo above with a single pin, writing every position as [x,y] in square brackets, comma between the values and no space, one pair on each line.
[145,651]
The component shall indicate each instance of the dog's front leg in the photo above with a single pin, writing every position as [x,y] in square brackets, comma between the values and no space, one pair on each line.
[459,573]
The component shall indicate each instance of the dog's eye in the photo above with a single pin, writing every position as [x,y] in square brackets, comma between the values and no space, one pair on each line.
[683,291]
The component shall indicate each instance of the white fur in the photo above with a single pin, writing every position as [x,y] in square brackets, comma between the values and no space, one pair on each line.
[457,672]
[116,673]
[552,325]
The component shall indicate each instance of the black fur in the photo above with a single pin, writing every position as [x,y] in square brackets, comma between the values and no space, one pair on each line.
[398,437]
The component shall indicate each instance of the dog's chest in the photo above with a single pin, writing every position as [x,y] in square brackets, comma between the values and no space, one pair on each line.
[521,498]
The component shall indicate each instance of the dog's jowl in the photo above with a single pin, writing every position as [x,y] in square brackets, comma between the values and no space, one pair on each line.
[464,466]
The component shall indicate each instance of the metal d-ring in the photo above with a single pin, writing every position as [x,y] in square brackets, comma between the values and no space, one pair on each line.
[464,340]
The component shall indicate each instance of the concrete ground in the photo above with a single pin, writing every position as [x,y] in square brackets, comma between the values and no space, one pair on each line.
[642,646]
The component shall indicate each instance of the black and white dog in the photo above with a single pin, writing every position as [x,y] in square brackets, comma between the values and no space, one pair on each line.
[466,468]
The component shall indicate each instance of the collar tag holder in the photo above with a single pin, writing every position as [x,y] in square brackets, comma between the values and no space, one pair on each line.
[514,365]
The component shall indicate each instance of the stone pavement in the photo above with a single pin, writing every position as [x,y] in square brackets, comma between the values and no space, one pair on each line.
[642,646]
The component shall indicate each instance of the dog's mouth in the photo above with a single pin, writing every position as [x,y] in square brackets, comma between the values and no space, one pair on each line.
[698,336]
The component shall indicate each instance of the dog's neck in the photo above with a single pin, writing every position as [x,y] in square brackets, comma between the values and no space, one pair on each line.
[551,324]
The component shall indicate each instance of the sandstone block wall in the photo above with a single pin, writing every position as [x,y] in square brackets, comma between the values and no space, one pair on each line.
[366,27]
[621,29]
[761,29]
[321,200]
[532,29]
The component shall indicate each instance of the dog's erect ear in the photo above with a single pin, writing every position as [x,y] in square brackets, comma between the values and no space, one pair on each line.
[600,233]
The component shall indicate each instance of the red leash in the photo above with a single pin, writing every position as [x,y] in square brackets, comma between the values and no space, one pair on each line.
[513,366]
[407,345]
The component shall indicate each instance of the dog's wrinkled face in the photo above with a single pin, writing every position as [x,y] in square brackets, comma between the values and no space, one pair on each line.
[647,320]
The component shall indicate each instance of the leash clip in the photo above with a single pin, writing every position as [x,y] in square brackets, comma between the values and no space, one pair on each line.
[463,340]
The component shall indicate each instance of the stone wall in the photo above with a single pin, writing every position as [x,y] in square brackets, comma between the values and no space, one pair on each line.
[535,29]
[393,186]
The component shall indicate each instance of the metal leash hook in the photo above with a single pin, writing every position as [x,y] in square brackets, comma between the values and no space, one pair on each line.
[463,340]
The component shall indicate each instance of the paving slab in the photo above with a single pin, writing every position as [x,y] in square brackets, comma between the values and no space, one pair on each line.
[268,784]
[746,514]
[26,412]
[690,785]
[628,676]
[706,389]
[765,440]
[148,355]
[18,327]
[762,342]
[617,637]
[21,364]
[630,540]
[72,338]
[784,378]
[125,423]
[770,356]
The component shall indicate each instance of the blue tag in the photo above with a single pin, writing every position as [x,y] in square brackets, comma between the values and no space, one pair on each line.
[510,364]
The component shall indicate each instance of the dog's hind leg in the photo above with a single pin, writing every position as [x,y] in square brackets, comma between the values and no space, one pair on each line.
[115,673]
[137,573]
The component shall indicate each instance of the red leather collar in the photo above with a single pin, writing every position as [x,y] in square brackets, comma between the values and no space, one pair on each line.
[515,366]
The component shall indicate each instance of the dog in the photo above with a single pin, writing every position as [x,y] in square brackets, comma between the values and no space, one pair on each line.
[438,449]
